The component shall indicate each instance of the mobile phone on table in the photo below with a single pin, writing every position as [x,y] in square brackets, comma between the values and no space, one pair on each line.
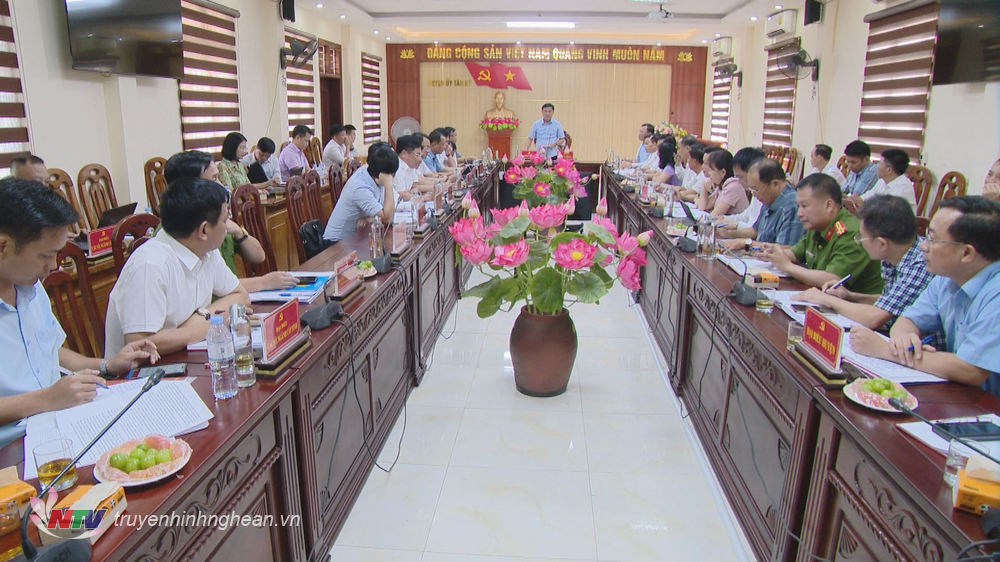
[975,430]
[305,280]
[171,370]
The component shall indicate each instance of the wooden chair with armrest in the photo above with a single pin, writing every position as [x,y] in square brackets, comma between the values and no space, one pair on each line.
[842,165]
[314,152]
[249,213]
[140,228]
[72,295]
[299,211]
[97,193]
[923,181]
[61,183]
[156,183]
[314,195]
[336,183]
[953,184]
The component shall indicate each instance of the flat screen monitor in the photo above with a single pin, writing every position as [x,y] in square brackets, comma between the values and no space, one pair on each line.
[135,37]
[968,42]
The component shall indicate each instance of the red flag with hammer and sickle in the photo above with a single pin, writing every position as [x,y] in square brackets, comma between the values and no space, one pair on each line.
[482,74]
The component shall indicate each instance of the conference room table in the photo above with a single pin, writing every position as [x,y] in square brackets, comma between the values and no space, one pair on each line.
[808,472]
[296,449]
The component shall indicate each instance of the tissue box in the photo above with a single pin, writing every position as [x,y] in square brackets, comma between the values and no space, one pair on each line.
[13,488]
[91,499]
[974,495]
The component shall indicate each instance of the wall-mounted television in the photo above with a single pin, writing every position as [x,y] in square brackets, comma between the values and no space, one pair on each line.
[135,37]
[968,42]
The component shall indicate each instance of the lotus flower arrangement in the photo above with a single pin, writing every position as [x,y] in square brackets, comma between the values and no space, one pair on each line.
[528,260]
[665,128]
[540,182]
[499,123]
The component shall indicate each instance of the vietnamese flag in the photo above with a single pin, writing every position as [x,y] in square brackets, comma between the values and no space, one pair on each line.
[512,76]
[484,75]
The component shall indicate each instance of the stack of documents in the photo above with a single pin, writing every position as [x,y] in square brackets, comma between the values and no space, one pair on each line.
[305,293]
[925,434]
[170,408]
[795,309]
[751,265]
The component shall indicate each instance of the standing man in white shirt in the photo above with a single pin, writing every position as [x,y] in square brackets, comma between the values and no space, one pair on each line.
[167,283]
[547,133]
[335,150]
[821,163]
[892,180]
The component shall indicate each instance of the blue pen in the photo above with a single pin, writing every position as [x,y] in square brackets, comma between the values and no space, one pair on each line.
[69,373]
[285,294]
[927,340]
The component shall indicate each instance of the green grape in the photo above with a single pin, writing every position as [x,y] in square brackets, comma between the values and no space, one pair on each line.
[137,454]
[131,465]
[163,455]
[142,447]
[149,460]
[118,460]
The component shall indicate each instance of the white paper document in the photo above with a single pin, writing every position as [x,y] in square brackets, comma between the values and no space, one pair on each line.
[789,305]
[887,369]
[925,434]
[170,408]
[305,293]
[743,265]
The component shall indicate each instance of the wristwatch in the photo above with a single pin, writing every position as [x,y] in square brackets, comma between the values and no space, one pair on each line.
[748,244]
[244,237]
[104,369]
[204,312]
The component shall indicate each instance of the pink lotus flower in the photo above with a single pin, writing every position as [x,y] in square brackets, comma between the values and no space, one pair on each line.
[511,255]
[575,254]
[522,209]
[628,273]
[513,174]
[467,200]
[608,258]
[518,160]
[643,238]
[570,205]
[477,252]
[537,157]
[529,173]
[473,212]
[579,190]
[602,207]
[563,166]
[606,224]
[573,175]
[547,216]
[627,243]
[541,188]
[466,230]
[504,216]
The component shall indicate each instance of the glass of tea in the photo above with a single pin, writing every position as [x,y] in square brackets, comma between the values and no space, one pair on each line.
[51,458]
[765,300]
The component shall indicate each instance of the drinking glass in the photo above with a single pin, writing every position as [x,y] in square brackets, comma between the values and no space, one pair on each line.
[765,300]
[51,458]
[795,330]
[958,457]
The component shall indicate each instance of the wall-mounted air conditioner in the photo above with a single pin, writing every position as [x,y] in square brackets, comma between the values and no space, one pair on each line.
[722,47]
[780,23]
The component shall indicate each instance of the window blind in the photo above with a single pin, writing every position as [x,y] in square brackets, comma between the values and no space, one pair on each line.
[209,89]
[300,88]
[779,96]
[13,120]
[897,79]
[371,98]
[722,91]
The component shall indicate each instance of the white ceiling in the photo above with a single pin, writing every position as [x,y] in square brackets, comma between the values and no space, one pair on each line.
[605,21]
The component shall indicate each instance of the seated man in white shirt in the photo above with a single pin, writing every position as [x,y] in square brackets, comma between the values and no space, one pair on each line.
[335,150]
[821,164]
[682,166]
[425,171]
[168,282]
[261,163]
[407,177]
[34,226]
[350,142]
[892,180]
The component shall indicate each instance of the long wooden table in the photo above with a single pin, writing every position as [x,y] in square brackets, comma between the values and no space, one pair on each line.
[797,461]
[302,444]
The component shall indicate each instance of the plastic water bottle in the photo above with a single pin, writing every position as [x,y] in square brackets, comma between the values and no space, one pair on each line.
[221,359]
[669,204]
[239,326]
[706,238]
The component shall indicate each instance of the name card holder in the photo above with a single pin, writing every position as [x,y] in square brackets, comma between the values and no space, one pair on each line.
[347,279]
[821,348]
[100,241]
[284,339]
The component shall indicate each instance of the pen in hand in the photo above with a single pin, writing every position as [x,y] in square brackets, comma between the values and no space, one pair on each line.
[69,373]
[838,283]
[926,341]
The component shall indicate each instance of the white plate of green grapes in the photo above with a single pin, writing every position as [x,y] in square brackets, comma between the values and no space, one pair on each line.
[875,394]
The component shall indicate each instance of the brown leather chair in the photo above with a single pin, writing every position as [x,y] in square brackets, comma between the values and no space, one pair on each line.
[140,227]
[314,195]
[336,184]
[156,183]
[62,184]
[97,194]
[953,184]
[249,213]
[74,303]
[299,211]
[923,181]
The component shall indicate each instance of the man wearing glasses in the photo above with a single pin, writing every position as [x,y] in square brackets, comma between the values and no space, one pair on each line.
[889,234]
[962,249]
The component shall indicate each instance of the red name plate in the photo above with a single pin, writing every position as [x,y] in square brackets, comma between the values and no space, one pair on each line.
[280,328]
[824,337]
[100,241]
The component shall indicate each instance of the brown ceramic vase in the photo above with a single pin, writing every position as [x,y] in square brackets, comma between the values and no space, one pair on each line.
[543,350]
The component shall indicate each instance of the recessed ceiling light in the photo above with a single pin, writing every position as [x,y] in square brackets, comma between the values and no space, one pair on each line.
[778,6]
[753,18]
[375,32]
[704,41]
[387,38]
[718,35]
[541,25]
[319,4]
[518,41]
[435,42]
[658,44]
[982,25]
[343,16]
[572,42]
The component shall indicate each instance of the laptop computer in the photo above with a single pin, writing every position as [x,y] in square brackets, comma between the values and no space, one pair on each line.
[112,216]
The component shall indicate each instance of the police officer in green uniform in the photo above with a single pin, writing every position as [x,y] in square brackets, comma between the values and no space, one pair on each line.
[829,250]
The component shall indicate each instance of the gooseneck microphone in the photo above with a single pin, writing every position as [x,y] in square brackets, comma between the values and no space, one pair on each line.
[938,429]
[73,550]
[742,293]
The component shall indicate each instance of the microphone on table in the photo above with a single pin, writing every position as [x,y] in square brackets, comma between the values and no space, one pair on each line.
[73,550]
[939,430]
[742,293]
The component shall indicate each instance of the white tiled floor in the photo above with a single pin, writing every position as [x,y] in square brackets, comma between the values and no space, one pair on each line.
[605,472]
